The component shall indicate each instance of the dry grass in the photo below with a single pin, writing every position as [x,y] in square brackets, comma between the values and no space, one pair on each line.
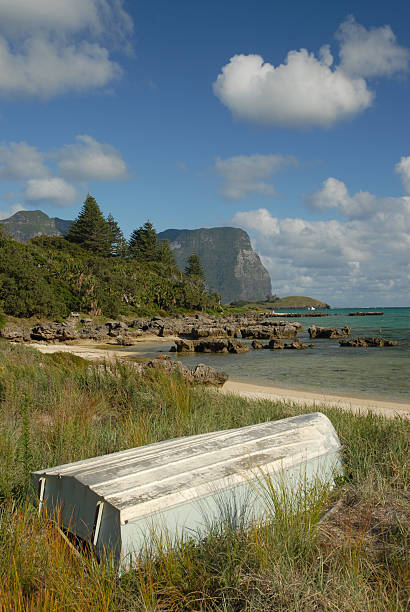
[354,559]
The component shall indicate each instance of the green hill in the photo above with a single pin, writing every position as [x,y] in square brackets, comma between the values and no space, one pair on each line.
[27,224]
[49,277]
[231,266]
[298,301]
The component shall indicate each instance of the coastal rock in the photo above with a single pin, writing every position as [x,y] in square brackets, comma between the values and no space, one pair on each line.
[257,345]
[201,374]
[54,331]
[266,332]
[365,342]
[208,332]
[276,345]
[116,328]
[296,345]
[15,333]
[328,332]
[214,345]
[365,314]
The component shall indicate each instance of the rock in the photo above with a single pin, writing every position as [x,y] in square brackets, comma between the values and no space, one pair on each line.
[365,314]
[206,375]
[208,332]
[213,345]
[276,345]
[257,345]
[266,332]
[124,341]
[15,333]
[202,374]
[116,328]
[54,331]
[365,342]
[296,345]
[328,332]
[184,346]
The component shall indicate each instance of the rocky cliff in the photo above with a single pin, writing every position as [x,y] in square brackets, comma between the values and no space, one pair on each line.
[27,224]
[231,266]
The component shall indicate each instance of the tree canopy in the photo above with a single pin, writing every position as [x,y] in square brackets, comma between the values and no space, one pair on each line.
[143,244]
[91,231]
[194,267]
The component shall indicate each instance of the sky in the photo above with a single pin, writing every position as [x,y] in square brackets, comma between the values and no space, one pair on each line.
[287,119]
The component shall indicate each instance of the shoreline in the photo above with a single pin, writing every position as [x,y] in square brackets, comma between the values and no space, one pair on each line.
[94,351]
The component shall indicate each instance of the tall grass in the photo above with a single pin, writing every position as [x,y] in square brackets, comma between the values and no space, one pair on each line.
[56,409]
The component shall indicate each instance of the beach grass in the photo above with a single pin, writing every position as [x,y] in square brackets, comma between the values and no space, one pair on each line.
[59,408]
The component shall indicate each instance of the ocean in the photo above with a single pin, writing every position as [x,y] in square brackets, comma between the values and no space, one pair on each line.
[378,373]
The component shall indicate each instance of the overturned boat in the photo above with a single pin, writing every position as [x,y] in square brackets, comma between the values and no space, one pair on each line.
[120,502]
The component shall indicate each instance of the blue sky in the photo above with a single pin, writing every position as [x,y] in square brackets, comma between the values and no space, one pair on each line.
[290,120]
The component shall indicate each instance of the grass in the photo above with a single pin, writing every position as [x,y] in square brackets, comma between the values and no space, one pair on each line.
[56,409]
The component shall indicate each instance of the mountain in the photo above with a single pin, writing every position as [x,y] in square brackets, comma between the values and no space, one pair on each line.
[27,224]
[231,266]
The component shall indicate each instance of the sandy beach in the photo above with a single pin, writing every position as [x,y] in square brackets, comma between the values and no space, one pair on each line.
[96,352]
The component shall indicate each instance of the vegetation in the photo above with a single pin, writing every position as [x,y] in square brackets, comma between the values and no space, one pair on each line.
[56,409]
[94,270]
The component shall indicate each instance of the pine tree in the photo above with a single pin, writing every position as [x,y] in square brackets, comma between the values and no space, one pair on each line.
[194,267]
[90,230]
[143,244]
[166,256]
[119,244]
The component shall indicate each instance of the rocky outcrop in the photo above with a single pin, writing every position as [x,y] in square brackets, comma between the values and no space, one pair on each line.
[267,331]
[52,332]
[365,342]
[328,332]
[231,266]
[214,345]
[365,314]
[15,333]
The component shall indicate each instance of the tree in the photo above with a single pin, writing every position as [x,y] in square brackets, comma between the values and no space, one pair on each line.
[90,230]
[143,244]
[166,256]
[119,246]
[194,267]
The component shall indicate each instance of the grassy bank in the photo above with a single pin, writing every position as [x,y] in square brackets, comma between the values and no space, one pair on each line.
[55,409]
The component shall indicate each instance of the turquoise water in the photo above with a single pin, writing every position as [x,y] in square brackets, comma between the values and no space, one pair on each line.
[379,373]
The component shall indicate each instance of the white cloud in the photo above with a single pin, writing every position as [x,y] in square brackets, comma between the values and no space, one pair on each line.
[19,160]
[372,52]
[5,214]
[362,260]
[55,191]
[334,194]
[306,90]
[403,168]
[49,47]
[91,160]
[244,175]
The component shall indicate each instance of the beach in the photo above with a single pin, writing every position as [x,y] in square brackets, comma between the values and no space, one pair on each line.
[94,351]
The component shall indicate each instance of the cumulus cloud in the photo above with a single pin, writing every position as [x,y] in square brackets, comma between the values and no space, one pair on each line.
[243,175]
[19,160]
[49,47]
[5,214]
[403,168]
[360,261]
[373,52]
[306,90]
[334,194]
[53,190]
[91,160]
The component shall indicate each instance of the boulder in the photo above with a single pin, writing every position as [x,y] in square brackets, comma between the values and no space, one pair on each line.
[296,345]
[364,342]
[15,333]
[276,345]
[116,328]
[208,332]
[54,331]
[328,332]
[256,344]
[212,345]
[206,375]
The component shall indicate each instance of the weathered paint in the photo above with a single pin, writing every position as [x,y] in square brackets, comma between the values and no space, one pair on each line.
[118,501]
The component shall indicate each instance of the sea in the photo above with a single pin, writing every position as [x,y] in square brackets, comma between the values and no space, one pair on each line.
[327,368]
